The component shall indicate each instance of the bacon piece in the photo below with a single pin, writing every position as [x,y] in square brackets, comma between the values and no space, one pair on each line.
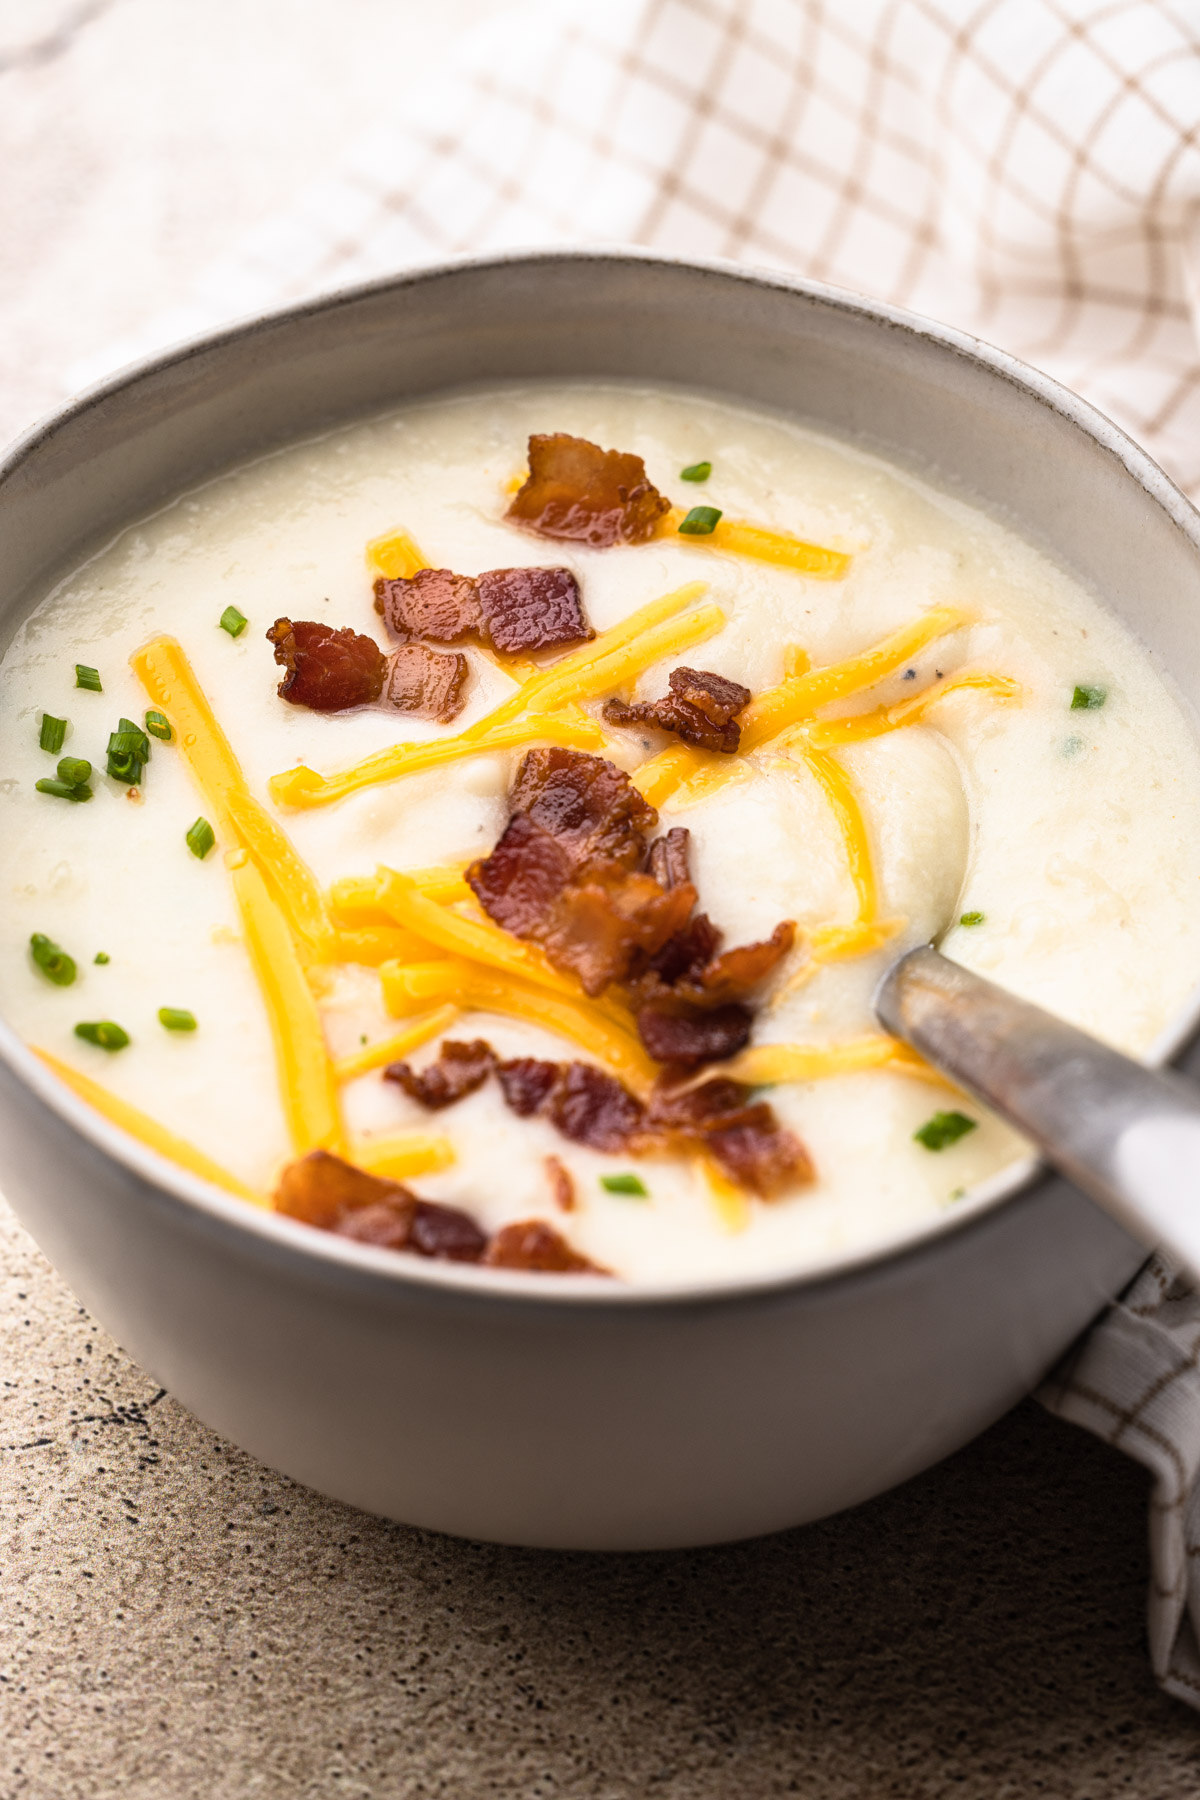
[325,1191]
[601,930]
[428,683]
[516,610]
[760,1154]
[688,968]
[578,491]
[433,603]
[328,669]
[532,609]
[592,1107]
[585,1103]
[458,1071]
[564,872]
[587,803]
[520,881]
[699,708]
[532,1244]
[561,1184]
[746,1140]
[668,858]
[688,1035]
[526,1083]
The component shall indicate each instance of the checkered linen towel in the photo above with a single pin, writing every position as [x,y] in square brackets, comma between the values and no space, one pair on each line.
[1026,169]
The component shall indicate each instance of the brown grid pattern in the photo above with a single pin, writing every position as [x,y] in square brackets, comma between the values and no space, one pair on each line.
[1135,1382]
[1027,169]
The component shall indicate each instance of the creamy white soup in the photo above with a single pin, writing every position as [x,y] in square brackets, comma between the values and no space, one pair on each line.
[229,934]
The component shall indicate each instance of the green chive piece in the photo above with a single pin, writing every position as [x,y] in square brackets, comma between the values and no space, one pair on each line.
[631,1185]
[102,956]
[129,740]
[88,678]
[700,522]
[200,838]
[74,770]
[159,726]
[696,472]
[1086,699]
[943,1129]
[176,1018]
[233,621]
[104,1034]
[54,962]
[1072,746]
[64,790]
[52,733]
[972,918]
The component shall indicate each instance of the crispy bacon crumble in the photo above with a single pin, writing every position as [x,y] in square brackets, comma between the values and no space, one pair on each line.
[700,708]
[331,669]
[577,491]
[327,669]
[514,610]
[322,1190]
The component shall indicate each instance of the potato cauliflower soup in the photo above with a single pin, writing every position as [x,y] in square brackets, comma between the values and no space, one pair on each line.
[479,832]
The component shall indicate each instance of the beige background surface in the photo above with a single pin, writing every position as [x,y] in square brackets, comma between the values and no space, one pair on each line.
[176,1620]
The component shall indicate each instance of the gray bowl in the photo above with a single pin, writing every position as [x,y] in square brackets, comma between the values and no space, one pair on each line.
[522,1408]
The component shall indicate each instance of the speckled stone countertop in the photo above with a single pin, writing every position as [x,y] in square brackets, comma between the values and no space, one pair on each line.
[177,1621]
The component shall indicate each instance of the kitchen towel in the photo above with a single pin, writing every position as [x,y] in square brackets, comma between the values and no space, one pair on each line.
[1027,170]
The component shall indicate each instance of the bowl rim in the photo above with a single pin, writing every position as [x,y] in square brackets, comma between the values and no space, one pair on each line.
[320,1254]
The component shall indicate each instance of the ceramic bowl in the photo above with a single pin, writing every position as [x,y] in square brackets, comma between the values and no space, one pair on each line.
[527,1408]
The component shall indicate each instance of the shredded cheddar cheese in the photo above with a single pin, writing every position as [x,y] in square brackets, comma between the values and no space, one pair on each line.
[732,1203]
[148,1131]
[766,1064]
[395,555]
[370,945]
[306,1084]
[303,787]
[828,733]
[352,899]
[395,1048]
[477,940]
[843,802]
[403,1153]
[797,697]
[738,538]
[168,678]
[410,987]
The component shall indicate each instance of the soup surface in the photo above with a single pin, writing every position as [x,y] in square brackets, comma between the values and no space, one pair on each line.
[988,759]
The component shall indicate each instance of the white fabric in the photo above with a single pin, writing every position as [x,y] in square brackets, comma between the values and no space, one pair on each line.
[1026,169]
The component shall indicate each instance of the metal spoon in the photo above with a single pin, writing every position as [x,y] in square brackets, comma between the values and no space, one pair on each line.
[1127,1136]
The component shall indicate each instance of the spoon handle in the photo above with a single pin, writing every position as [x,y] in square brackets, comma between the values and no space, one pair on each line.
[1126,1135]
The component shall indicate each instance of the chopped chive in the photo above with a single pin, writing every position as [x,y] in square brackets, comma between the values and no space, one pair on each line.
[696,472]
[88,678]
[943,1129]
[64,790]
[74,770]
[159,726]
[176,1018]
[972,918]
[130,740]
[1087,699]
[700,522]
[631,1185]
[102,956]
[52,733]
[1072,745]
[200,838]
[233,621]
[54,962]
[104,1034]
